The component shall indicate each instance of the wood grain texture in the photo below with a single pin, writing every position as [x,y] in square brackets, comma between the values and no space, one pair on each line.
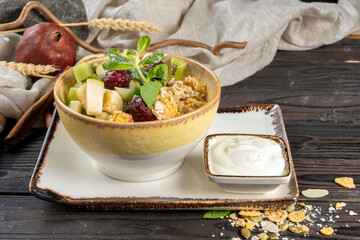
[319,94]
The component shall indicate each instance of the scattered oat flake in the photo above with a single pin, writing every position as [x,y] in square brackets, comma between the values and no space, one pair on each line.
[347,182]
[249,213]
[315,193]
[284,226]
[269,226]
[304,228]
[233,216]
[240,222]
[340,205]
[249,225]
[296,216]
[327,231]
[254,238]
[290,208]
[352,213]
[278,216]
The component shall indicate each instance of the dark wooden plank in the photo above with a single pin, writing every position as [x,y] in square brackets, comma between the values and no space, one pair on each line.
[28,217]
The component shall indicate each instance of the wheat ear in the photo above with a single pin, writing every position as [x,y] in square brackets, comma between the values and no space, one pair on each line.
[117,24]
[31,69]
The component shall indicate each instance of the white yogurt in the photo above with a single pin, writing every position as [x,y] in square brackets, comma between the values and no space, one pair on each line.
[245,156]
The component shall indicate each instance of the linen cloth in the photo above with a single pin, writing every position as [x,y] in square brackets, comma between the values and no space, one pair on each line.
[267,26]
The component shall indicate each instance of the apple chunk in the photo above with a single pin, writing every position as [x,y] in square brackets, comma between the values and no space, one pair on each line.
[75,106]
[81,94]
[112,101]
[94,96]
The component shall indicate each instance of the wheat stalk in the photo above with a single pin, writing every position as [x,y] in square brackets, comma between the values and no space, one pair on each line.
[106,23]
[31,69]
[117,24]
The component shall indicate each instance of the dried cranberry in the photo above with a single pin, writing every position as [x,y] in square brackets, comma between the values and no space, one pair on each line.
[139,111]
[170,84]
[153,65]
[117,78]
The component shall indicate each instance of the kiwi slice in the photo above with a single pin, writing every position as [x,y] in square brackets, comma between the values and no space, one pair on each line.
[72,95]
[177,68]
[83,71]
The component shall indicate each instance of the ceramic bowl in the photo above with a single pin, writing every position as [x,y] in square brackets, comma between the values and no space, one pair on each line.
[139,151]
[241,183]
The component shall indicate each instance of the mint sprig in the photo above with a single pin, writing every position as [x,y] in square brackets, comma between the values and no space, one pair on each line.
[130,60]
[214,214]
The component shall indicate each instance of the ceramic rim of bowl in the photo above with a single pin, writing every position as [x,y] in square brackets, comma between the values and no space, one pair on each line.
[155,123]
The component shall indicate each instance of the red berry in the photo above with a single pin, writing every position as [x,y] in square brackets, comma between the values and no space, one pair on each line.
[170,84]
[117,78]
[139,111]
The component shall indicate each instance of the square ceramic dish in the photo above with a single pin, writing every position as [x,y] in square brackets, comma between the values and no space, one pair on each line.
[245,183]
[64,174]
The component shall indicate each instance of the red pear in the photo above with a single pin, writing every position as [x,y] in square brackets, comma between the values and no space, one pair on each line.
[48,44]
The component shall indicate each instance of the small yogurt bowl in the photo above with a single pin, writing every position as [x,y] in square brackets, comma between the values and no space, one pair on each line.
[245,183]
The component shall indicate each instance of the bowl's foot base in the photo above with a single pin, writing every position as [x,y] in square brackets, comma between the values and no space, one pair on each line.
[141,177]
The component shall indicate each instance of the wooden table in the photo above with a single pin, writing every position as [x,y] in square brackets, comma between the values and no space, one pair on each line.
[319,94]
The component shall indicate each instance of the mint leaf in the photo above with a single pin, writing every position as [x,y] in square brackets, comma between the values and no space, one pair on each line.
[153,58]
[214,214]
[129,54]
[136,90]
[115,56]
[114,65]
[159,72]
[135,75]
[117,62]
[143,44]
[149,92]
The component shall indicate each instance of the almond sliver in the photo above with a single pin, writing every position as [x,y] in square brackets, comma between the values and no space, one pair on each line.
[315,193]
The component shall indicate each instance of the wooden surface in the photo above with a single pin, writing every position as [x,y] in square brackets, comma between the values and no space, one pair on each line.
[319,94]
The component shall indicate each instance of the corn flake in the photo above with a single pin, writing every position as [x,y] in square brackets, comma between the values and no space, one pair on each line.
[249,213]
[296,216]
[120,117]
[304,228]
[249,225]
[327,231]
[233,216]
[347,182]
[278,216]
[240,222]
[340,205]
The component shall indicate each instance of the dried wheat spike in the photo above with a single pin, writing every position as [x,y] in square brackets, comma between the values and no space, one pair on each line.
[30,69]
[122,24]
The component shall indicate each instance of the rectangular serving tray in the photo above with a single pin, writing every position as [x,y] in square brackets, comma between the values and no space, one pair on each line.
[64,174]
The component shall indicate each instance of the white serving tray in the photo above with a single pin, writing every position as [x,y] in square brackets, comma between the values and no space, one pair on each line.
[64,174]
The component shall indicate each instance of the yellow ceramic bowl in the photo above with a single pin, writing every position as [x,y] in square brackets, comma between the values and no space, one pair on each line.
[139,151]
